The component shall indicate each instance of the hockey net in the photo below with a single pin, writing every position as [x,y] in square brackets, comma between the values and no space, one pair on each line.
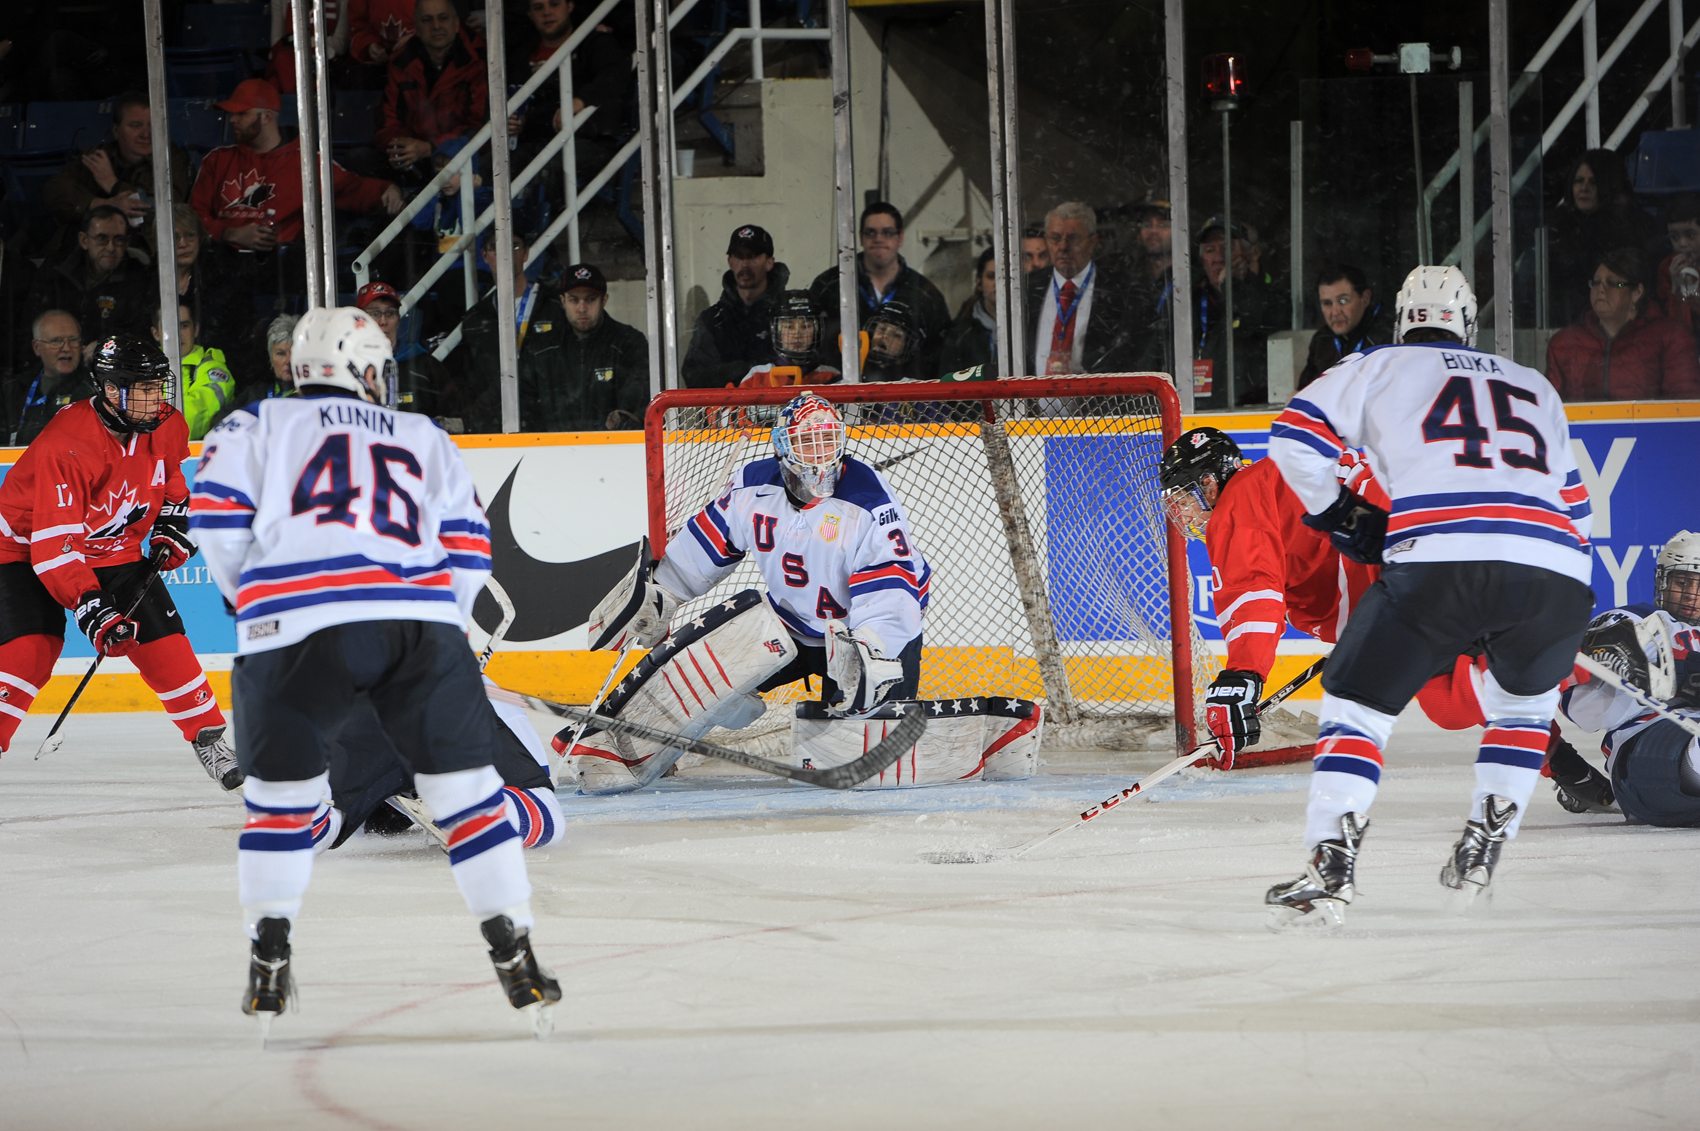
[1036,501]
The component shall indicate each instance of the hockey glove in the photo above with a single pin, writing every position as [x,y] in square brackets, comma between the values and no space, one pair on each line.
[861,671]
[109,630]
[1578,787]
[171,534]
[1356,528]
[1230,711]
[1611,642]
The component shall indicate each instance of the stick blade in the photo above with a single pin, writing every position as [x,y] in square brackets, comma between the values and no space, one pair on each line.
[50,745]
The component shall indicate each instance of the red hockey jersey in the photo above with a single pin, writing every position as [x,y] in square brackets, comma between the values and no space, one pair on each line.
[238,186]
[80,497]
[1268,568]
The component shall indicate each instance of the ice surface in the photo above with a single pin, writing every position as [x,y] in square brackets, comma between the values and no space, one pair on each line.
[743,954]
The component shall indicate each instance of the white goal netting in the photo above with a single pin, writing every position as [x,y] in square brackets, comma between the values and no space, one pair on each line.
[1055,576]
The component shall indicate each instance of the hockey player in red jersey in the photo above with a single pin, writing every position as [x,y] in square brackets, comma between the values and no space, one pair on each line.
[1268,569]
[104,478]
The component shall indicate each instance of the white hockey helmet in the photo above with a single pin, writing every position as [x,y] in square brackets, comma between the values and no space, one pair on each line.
[1679,596]
[808,440]
[1438,298]
[343,348]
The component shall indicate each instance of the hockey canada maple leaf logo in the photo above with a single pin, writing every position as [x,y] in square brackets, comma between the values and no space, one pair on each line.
[247,190]
[123,511]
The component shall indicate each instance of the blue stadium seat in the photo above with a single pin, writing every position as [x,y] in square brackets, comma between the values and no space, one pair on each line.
[63,126]
[11,127]
[246,26]
[1668,161]
[354,116]
[196,124]
[212,72]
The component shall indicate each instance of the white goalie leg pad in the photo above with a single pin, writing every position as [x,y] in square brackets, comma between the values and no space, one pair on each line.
[703,677]
[860,668]
[1014,728]
[636,611]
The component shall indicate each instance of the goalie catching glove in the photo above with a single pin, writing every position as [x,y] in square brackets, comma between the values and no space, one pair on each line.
[637,611]
[859,667]
[1230,711]
[1612,642]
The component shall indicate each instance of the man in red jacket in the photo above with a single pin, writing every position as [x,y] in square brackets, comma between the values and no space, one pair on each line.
[437,91]
[1269,569]
[105,475]
[248,195]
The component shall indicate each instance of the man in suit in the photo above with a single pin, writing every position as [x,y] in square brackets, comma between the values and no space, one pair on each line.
[1080,315]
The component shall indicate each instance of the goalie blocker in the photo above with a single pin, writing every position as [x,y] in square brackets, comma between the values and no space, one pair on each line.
[974,739]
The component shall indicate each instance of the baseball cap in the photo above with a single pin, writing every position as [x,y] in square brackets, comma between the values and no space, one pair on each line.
[750,240]
[374,291]
[251,94]
[583,275]
[1215,224]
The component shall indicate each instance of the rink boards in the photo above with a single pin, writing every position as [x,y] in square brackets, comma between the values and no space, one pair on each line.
[567,509]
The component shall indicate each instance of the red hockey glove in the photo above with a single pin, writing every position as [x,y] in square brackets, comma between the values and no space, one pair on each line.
[1230,711]
[171,534]
[110,631]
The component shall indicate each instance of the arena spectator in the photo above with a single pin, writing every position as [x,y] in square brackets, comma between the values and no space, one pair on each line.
[55,380]
[378,30]
[733,334]
[1154,283]
[585,372]
[277,381]
[1353,320]
[207,382]
[437,91]
[96,281]
[1255,306]
[972,339]
[422,382]
[280,65]
[602,77]
[117,172]
[1598,214]
[882,276]
[1623,348]
[477,360]
[1035,253]
[248,195]
[1679,272]
[217,308]
[1080,314]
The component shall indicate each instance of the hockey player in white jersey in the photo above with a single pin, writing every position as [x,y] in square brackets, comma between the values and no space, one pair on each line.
[1653,762]
[1486,545]
[349,540]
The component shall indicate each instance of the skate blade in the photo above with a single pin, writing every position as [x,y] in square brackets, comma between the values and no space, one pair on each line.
[1464,898]
[542,1019]
[1324,915]
[265,1024]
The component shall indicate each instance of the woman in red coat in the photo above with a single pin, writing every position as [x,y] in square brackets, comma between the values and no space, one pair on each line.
[1623,348]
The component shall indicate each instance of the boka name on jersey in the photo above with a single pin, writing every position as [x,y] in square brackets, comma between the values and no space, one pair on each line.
[847,557]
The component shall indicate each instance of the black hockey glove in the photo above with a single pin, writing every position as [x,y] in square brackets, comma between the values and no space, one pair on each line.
[108,629]
[1579,787]
[1611,642]
[1356,528]
[171,534]
[1230,711]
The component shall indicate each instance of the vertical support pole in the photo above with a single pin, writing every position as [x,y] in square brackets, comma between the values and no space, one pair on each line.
[642,12]
[1017,315]
[662,185]
[1425,236]
[1296,210]
[165,236]
[1591,74]
[1678,79]
[844,192]
[304,88]
[501,224]
[1499,145]
[469,241]
[1467,179]
[1006,218]
[1180,209]
[569,164]
[322,127]
[1228,274]
[757,62]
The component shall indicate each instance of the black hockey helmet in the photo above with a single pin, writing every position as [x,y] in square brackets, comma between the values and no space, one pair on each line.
[1200,452]
[894,335]
[796,329]
[123,361]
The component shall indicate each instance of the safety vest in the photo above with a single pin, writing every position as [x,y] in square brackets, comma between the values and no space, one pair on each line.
[207,386]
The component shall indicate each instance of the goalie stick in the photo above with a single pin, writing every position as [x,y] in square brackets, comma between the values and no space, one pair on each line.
[900,738]
[1197,753]
[54,739]
[1602,674]
[506,604]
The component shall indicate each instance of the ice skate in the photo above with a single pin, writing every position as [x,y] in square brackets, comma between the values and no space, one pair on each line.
[271,989]
[217,758]
[528,985]
[1470,868]
[416,812]
[1579,787]
[1319,897]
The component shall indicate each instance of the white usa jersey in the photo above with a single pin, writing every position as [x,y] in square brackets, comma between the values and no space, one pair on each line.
[847,557]
[1601,707]
[1473,449]
[318,510]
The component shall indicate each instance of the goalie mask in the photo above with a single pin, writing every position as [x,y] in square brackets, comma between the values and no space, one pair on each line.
[808,441]
[796,329]
[1437,298]
[1676,577]
[342,348]
[140,380]
[1199,454]
[894,337]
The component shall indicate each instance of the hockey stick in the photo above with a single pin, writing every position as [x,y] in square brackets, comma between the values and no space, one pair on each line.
[506,604]
[1602,674]
[54,740]
[900,738]
[1197,753]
